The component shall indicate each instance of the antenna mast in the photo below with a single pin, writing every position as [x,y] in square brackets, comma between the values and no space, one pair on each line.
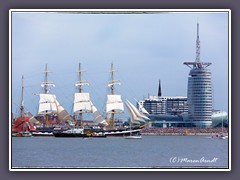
[197,45]
[197,64]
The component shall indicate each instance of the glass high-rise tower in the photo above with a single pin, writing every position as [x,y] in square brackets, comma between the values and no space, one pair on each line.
[199,90]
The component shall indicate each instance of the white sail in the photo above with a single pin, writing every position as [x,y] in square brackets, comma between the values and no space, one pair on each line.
[82,103]
[133,117]
[138,114]
[143,110]
[47,104]
[114,102]
[32,119]
[97,116]
[62,113]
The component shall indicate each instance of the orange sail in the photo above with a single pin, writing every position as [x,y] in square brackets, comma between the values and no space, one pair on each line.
[23,124]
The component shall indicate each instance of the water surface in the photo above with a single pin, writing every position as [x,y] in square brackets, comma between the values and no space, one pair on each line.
[149,152]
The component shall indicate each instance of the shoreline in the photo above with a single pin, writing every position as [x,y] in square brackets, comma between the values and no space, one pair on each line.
[182,134]
[178,131]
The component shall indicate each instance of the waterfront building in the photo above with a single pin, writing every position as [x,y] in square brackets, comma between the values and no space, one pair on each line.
[172,105]
[195,110]
[176,105]
[155,105]
[165,105]
[199,90]
[172,111]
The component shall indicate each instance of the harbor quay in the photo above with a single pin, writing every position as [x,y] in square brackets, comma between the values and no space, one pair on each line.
[184,131]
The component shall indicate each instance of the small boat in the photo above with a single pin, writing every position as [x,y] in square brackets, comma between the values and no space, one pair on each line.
[223,137]
[136,117]
[22,134]
[133,137]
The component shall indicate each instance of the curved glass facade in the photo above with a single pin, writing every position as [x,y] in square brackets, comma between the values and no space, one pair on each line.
[200,97]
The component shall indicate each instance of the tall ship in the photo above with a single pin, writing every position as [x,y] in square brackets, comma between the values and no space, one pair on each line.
[115,105]
[82,104]
[104,127]
[50,110]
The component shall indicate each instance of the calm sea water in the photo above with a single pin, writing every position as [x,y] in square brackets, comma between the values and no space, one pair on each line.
[149,152]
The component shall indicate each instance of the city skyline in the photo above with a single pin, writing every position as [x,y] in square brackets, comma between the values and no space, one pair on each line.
[144,48]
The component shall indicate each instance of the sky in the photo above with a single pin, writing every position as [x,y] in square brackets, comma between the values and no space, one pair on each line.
[144,48]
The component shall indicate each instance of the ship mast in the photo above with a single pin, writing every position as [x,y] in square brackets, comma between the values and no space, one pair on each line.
[79,85]
[46,84]
[112,120]
[117,102]
[46,88]
[114,102]
[46,80]
[22,100]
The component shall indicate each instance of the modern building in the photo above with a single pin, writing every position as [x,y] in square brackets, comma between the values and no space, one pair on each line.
[176,105]
[172,105]
[155,104]
[195,110]
[166,111]
[199,90]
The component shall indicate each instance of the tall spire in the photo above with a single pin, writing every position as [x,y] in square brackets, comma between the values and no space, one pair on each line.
[159,89]
[197,45]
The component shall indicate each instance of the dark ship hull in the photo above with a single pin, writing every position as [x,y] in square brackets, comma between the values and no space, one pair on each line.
[76,132]
[122,132]
[97,133]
